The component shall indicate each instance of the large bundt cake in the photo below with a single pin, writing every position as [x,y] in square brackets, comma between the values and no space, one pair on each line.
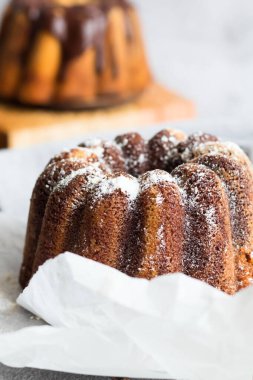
[71,53]
[171,204]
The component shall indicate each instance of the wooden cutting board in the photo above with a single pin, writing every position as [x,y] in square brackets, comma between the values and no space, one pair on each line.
[22,127]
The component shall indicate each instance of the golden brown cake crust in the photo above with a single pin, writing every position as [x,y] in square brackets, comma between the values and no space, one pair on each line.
[208,250]
[111,202]
[59,167]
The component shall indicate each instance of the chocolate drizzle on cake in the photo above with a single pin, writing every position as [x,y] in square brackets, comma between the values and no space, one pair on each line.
[77,27]
[72,54]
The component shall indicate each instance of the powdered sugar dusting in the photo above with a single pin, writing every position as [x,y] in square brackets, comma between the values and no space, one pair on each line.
[159,199]
[228,149]
[123,143]
[172,139]
[93,142]
[142,158]
[98,151]
[202,197]
[128,185]
[161,237]
[155,177]
[95,175]
[211,217]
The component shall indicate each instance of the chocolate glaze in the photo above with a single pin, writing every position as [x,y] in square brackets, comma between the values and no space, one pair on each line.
[86,28]
[5,25]
[77,27]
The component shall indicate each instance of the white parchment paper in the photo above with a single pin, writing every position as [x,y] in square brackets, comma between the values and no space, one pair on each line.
[106,323]
[95,320]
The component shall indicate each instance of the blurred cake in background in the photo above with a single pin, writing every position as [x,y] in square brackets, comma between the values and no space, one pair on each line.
[83,57]
[71,53]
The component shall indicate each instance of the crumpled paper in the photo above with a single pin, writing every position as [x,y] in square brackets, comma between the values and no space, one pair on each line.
[101,322]
[106,323]
[12,316]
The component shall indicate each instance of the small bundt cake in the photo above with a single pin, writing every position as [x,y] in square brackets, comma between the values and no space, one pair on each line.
[71,53]
[147,208]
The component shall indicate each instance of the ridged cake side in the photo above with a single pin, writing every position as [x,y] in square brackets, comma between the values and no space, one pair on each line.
[117,203]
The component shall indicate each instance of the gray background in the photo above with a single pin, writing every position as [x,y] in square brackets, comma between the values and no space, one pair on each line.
[203,49]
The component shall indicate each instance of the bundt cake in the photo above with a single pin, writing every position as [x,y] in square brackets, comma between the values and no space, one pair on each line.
[71,53]
[170,204]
